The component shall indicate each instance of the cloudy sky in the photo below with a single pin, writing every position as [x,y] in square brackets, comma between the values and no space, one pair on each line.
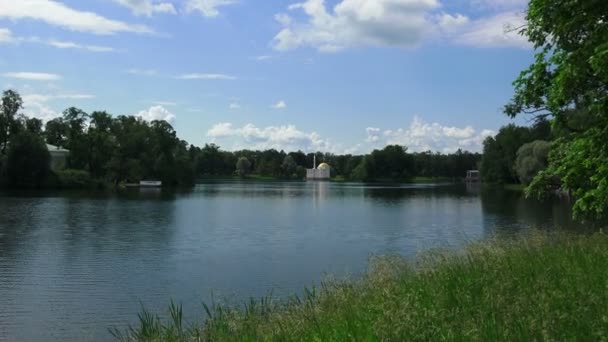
[333,75]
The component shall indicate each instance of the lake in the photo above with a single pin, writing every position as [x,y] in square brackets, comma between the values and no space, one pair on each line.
[74,264]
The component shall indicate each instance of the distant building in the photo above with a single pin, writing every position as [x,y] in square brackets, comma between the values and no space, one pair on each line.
[59,157]
[323,172]
[472,176]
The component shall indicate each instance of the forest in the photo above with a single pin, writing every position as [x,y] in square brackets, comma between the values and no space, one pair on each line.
[108,150]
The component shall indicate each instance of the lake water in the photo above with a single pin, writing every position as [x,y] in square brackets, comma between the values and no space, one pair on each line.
[73,265]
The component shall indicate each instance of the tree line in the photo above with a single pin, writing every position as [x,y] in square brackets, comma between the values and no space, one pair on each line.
[106,149]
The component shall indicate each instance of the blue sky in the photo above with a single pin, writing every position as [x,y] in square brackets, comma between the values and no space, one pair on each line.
[338,76]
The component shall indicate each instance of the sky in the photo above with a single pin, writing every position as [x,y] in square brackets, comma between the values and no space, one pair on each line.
[341,76]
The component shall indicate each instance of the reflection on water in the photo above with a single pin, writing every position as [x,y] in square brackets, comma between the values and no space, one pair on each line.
[74,264]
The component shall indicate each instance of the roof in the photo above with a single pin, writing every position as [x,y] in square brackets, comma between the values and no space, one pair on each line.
[53,148]
[323,166]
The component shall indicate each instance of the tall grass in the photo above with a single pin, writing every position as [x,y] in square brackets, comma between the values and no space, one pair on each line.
[540,288]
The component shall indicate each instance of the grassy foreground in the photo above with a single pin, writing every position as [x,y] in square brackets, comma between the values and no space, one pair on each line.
[540,288]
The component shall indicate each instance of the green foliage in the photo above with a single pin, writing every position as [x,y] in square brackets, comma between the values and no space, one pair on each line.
[542,288]
[74,179]
[28,161]
[500,152]
[393,162]
[289,167]
[366,169]
[56,132]
[11,104]
[568,81]
[531,159]
[243,166]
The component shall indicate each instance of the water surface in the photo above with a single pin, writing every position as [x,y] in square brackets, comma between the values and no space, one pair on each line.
[74,264]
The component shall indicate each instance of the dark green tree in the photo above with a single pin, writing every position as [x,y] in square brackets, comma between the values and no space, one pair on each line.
[531,159]
[28,160]
[243,166]
[569,75]
[10,106]
[288,166]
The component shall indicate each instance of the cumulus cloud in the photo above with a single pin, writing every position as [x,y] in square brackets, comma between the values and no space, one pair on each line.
[418,137]
[208,8]
[354,23]
[234,105]
[156,113]
[33,76]
[206,77]
[71,45]
[57,14]
[500,30]
[37,105]
[147,7]
[373,134]
[450,22]
[280,105]
[6,36]
[249,136]
[397,23]
[423,136]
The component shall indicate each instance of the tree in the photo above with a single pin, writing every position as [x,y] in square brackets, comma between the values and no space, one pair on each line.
[570,74]
[76,121]
[56,132]
[28,160]
[243,166]
[101,143]
[531,159]
[11,104]
[500,152]
[366,169]
[289,166]
[34,125]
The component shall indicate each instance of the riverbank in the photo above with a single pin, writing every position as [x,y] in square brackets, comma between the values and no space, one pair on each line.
[337,179]
[547,287]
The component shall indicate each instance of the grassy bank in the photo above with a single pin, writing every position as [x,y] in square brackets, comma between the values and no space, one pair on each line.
[541,288]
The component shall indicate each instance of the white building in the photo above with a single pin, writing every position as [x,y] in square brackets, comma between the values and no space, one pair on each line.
[59,157]
[323,172]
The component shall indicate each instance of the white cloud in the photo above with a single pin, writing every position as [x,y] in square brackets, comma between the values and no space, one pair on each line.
[36,105]
[449,22]
[373,134]
[33,76]
[286,137]
[206,77]
[156,113]
[500,30]
[143,72]
[280,105]
[234,105]
[6,36]
[422,136]
[398,23]
[356,23]
[71,45]
[57,14]
[208,8]
[147,7]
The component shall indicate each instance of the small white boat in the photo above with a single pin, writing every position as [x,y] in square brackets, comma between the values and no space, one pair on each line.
[150,184]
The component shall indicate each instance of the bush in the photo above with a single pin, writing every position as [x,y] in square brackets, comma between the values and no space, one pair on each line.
[74,179]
